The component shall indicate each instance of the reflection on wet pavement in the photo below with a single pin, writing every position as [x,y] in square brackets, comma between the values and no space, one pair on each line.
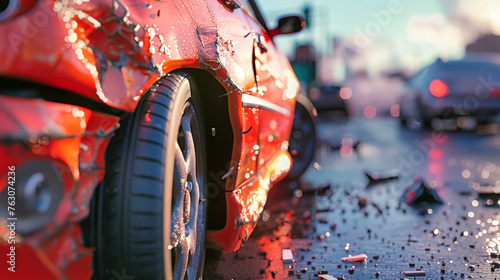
[332,214]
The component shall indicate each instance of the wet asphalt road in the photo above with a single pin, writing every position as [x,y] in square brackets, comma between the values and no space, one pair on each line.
[334,212]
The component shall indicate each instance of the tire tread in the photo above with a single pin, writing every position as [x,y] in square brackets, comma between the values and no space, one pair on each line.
[137,247]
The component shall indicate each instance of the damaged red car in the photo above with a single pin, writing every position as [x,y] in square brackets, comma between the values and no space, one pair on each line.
[135,133]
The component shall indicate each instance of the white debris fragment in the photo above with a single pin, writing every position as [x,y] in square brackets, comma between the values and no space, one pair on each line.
[287,255]
[326,277]
[415,273]
[357,258]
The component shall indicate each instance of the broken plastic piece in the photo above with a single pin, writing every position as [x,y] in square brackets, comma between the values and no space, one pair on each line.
[421,192]
[287,255]
[415,273]
[357,258]
[321,190]
[335,147]
[381,177]
[326,277]
[488,191]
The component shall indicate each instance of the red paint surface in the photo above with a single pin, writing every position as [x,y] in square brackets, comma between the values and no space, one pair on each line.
[112,52]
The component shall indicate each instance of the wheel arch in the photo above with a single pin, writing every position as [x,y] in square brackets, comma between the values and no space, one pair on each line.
[211,99]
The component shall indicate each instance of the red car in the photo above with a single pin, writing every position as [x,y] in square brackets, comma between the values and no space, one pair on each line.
[130,130]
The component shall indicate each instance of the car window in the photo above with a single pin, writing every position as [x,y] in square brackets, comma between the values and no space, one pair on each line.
[419,78]
[253,10]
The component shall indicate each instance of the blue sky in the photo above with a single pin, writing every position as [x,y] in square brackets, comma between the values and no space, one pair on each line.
[400,33]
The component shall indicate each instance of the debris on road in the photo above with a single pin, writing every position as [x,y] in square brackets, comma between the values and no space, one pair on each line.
[333,226]
[362,202]
[381,177]
[326,277]
[488,191]
[321,190]
[356,258]
[414,273]
[420,192]
[287,255]
[329,222]
[337,147]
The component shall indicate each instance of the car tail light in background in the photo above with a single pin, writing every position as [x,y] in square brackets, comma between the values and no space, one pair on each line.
[345,93]
[395,110]
[494,92]
[12,8]
[438,88]
[370,112]
[314,94]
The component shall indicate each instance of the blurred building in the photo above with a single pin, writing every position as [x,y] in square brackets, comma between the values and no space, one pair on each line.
[304,65]
[489,43]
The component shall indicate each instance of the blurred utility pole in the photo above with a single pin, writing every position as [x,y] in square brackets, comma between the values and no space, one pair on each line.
[307,13]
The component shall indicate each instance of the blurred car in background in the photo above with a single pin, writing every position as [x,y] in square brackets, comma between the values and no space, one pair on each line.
[465,92]
[332,97]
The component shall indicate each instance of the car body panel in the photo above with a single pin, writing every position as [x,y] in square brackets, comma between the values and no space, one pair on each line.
[73,140]
[112,52]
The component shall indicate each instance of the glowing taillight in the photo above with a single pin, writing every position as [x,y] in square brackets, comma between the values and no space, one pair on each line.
[345,93]
[438,88]
[494,92]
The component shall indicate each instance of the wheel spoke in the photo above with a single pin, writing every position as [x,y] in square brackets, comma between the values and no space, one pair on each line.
[188,125]
[180,175]
[190,152]
[193,219]
[187,213]
[181,258]
[177,216]
[180,164]
[177,229]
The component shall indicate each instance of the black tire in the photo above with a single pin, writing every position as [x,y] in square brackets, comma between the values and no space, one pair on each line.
[402,121]
[155,174]
[302,145]
[426,122]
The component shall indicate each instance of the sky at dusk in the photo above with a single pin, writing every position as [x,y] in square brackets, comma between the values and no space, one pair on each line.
[389,33]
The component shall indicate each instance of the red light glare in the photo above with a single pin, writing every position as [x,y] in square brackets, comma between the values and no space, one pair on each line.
[494,92]
[438,88]
[370,112]
[345,93]
[395,110]
[436,154]
[314,94]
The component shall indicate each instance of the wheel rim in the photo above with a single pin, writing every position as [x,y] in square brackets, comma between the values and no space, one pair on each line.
[187,225]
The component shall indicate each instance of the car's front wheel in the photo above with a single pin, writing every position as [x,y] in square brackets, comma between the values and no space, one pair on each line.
[151,223]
